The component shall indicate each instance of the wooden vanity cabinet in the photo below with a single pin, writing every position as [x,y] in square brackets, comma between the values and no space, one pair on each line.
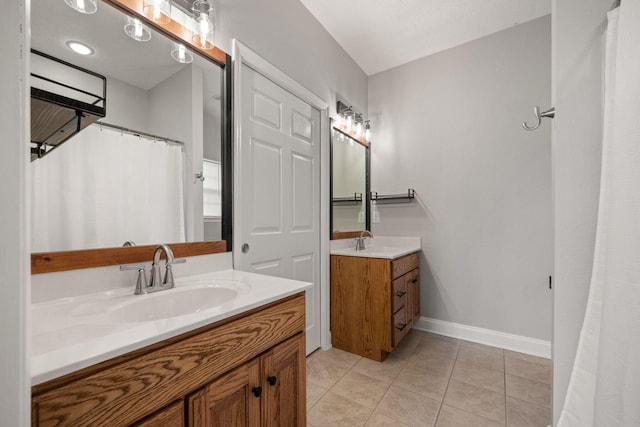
[263,392]
[205,377]
[374,303]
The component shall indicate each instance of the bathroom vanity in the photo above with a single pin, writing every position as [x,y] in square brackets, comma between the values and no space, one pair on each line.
[241,362]
[374,295]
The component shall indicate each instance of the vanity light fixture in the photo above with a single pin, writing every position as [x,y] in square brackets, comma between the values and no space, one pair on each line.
[204,16]
[181,54]
[83,6]
[135,29]
[157,10]
[79,48]
[352,122]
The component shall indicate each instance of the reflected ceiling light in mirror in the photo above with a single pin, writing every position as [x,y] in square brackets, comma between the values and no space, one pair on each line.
[181,54]
[158,10]
[135,29]
[83,6]
[79,48]
[367,130]
[204,16]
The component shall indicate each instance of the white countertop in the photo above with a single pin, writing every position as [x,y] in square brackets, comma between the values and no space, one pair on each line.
[378,247]
[72,333]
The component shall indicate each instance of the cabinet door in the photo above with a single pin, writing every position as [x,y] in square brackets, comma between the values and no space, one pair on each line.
[232,400]
[284,380]
[413,293]
[171,416]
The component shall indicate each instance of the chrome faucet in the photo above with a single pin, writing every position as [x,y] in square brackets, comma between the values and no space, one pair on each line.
[156,282]
[360,240]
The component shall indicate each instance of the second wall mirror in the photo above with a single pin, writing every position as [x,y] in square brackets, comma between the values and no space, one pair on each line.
[350,185]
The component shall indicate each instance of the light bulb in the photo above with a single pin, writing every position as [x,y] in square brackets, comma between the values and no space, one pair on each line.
[158,10]
[367,134]
[204,16]
[181,54]
[349,122]
[137,25]
[83,6]
[204,27]
[135,29]
[359,129]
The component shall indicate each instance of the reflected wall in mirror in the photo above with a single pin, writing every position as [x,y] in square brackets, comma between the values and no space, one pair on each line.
[349,185]
[141,176]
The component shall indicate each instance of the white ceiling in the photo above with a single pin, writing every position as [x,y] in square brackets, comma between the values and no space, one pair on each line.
[382,34]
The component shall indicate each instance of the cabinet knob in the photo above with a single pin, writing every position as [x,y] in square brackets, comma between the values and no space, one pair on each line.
[257,391]
[272,380]
[414,280]
[401,326]
[400,293]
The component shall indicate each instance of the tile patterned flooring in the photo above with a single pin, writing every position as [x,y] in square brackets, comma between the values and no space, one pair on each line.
[429,380]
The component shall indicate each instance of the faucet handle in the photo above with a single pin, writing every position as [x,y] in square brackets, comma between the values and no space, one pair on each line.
[141,283]
[127,267]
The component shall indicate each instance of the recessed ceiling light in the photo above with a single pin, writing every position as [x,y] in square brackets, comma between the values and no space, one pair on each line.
[79,48]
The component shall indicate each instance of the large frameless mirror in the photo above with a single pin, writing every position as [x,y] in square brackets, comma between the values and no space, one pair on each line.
[150,167]
[350,190]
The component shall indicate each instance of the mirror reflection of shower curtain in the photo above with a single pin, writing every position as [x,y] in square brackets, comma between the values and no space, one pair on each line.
[104,187]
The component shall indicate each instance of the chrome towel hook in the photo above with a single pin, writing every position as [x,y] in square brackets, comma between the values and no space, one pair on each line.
[550,113]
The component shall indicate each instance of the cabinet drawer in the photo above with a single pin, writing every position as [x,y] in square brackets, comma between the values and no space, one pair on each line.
[404,265]
[398,294]
[399,325]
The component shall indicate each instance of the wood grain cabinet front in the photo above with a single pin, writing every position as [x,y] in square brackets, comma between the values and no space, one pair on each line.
[245,371]
[374,303]
[266,391]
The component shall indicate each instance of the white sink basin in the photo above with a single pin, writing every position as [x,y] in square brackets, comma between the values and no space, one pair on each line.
[182,300]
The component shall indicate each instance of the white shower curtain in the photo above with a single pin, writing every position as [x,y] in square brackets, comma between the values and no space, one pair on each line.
[604,389]
[102,188]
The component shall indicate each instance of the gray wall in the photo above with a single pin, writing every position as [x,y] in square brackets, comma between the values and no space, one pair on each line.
[578,49]
[448,125]
[14,221]
[286,34]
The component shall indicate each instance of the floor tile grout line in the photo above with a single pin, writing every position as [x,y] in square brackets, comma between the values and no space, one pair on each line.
[444,395]
[506,412]
[526,402]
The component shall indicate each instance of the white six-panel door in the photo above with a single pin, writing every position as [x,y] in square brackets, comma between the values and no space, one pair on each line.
[279,189]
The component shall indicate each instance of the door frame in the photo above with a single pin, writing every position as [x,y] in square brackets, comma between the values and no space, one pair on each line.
[244,56]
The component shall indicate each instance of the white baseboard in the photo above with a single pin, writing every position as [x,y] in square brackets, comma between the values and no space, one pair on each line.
[511,342]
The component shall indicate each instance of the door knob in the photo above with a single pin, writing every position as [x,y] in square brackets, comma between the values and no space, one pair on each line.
[272,380]
[244,248]
[257,391]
